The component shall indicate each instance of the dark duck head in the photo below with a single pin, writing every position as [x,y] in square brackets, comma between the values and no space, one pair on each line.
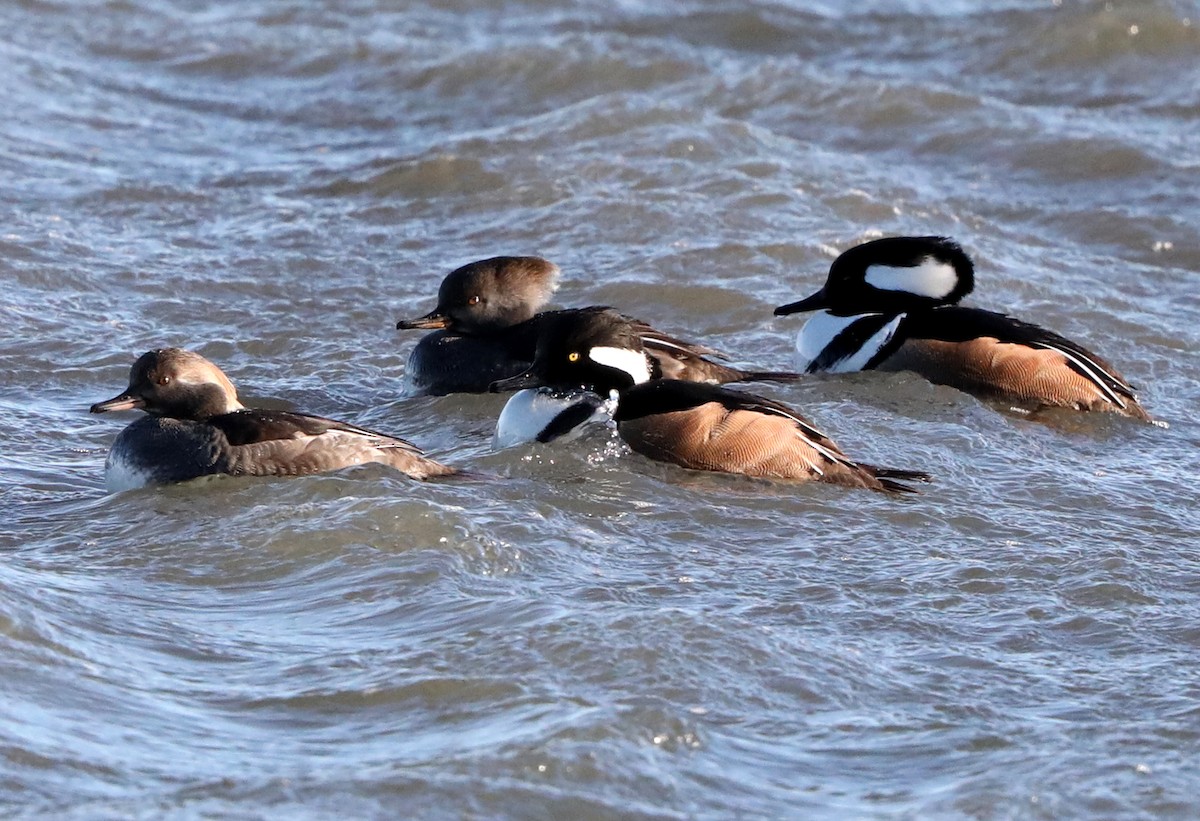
[892,275]
[177,384]
[490,295]
[596,349]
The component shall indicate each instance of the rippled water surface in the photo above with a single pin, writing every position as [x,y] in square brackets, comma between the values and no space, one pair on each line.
[588,634]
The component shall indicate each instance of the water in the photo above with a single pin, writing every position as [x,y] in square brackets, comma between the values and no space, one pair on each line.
[592,635]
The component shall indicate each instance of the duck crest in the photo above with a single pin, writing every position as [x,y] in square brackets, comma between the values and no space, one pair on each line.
[899,271]
[491,295]
[930,277]
[633,362]
[891,304]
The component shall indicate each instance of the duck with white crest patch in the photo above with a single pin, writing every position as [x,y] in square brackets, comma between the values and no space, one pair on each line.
[691,424]
[195,426]
[485,328]
[892,305]
[545,410]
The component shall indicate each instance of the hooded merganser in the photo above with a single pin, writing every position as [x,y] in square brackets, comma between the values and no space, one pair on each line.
[545,410]
[692,424]
[486,328]
[197,427]
[890,304]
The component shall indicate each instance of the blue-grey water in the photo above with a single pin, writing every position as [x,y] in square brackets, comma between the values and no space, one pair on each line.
[590,635]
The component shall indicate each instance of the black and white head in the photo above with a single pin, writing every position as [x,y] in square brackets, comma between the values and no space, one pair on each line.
[592,348]
[892,274]
[490,295]
[175,383]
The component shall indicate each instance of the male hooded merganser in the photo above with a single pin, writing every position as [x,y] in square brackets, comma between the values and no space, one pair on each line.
[486,328]
[693,424]
[197,427]
[890,304]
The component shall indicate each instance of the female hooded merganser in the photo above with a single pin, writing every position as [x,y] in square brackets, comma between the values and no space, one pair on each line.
[486,328]
[197,427]
[696,425]
[890,304]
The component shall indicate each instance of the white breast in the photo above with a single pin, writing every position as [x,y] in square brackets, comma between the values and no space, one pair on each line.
[823,329]
[121,474]
[529,412]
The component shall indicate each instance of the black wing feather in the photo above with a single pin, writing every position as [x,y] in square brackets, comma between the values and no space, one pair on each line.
[650,336]
[669,395]
[653,338]
[256,425]
[959,324]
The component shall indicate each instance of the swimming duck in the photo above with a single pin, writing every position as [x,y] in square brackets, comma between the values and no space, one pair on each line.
[486,328]
[692,424]
[197,427]
[891,305]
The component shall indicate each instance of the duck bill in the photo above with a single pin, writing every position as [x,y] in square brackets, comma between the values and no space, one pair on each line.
[520,382]
[122,402]
[432,321]
[816,302]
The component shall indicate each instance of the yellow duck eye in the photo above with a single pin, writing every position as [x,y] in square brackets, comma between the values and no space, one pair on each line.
[573,356]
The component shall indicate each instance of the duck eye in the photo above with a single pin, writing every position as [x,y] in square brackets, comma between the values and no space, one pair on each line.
[163,380]
[573,356]
[473,300]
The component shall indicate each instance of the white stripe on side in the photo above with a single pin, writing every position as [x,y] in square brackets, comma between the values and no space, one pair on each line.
[662,342]
[1091,370]
[808,434]
[633,363]
[811,464]
[932,278]
[823,328]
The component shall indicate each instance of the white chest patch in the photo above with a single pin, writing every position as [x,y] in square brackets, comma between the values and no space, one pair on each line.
[823,330]
[529,412]
[931,278]
[121,474]
[633,363]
